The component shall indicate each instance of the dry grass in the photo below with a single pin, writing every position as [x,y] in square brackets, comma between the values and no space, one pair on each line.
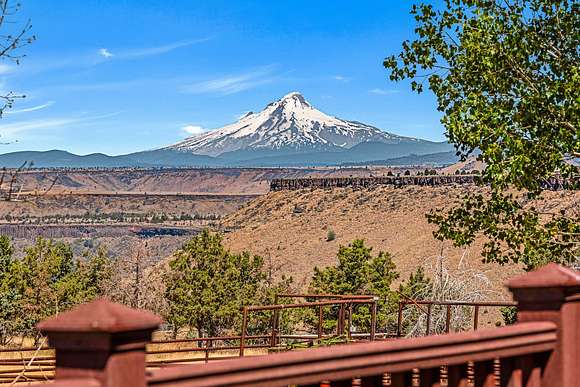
[389,219]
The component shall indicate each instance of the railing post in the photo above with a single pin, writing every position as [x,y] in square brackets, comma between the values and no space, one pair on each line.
[320,319]
[349,323]
[103,341]
[374,319]
[274,328]
[400,317]
[244,330]
[552,293]
[428,328]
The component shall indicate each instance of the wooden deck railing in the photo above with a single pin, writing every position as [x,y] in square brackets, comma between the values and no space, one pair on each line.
[103,344]
[373,361]
[38,364]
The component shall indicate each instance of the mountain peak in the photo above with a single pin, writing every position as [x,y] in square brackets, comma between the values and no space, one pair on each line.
[289,124]
[293,94]
[294,98]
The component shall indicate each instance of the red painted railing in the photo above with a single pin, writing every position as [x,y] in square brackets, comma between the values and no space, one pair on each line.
[103,344]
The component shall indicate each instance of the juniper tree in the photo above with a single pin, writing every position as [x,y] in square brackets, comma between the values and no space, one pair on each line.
[206,285]
[9,296]
[359,272]
[46,281]
[506,78]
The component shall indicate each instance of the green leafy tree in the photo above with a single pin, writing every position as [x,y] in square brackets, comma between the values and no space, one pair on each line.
[206,285]
[506,77]
[359,272]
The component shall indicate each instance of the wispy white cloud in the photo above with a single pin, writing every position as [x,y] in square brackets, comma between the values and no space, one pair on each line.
[136,53]
[341,78]
[383,91]
[231,84]
[105,53]
[95,57]
[193,130]
[101,86]
[20,127]
[158,50]
[29,109]
[6,68]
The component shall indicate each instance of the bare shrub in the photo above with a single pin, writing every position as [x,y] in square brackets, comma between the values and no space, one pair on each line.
[447,284]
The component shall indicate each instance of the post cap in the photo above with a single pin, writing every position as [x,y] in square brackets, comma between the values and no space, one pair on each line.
[548,276]
[101,316]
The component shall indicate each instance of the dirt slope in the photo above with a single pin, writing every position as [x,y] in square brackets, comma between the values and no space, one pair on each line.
[291,227]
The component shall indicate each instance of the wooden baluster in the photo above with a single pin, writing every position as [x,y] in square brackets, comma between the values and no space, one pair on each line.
[415,378]
[497,372]
[387,379]
[470,373]
[443,376]
[484,376]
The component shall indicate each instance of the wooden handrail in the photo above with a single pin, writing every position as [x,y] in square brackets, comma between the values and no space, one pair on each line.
[107,342]
[353,361]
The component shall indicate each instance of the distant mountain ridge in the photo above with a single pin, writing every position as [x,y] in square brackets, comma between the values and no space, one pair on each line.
[168,159]
[288,132]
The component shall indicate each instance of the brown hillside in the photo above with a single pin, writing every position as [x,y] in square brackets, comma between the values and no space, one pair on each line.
[291,227]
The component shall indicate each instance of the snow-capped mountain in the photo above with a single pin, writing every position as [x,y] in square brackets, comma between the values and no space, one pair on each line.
[287,133]
[290,124]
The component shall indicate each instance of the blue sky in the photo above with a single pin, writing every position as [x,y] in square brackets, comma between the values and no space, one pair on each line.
[117,76]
